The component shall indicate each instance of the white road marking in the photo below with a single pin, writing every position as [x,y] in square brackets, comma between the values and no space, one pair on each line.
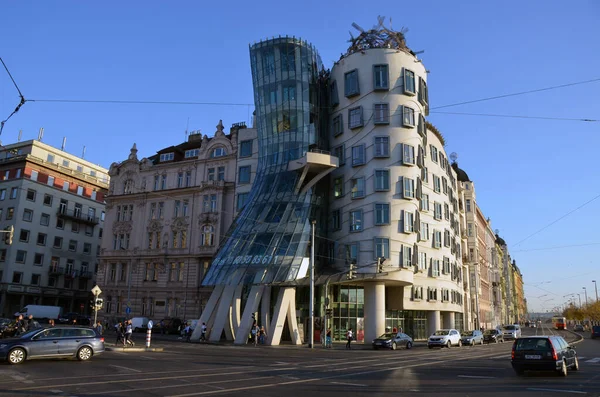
[55,391]
[502,356]
[476,377]
[348,384]
[147,358]
[556,390]
[21,379]
[127,368]
[593,360]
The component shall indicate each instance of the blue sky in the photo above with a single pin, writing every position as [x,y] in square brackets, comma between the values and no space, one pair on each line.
[528,172]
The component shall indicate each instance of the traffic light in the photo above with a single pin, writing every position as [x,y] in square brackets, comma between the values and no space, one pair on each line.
[8,235]
[352,272]
[99,302]
[380,261]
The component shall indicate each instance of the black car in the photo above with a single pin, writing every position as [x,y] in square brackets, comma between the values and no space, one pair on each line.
[393,341]
[543,353]
[596,331]
[493,336]
[578,328]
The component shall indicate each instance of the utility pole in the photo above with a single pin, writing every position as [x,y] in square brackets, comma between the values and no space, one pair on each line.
[585,291]
[596,288]
[311,326]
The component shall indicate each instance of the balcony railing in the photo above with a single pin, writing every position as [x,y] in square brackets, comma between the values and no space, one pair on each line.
[56,271]
[77,216]
[86,274]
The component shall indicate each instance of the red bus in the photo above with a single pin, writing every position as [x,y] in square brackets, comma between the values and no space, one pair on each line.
[559,322]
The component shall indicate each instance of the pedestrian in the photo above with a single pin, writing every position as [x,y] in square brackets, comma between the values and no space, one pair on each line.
[99,327]
[262,334]
[162,327]
[188,333]
[203,332]
[254,333]
[50,323]
[128,333]
[328,339]
[120,334]
[349,336]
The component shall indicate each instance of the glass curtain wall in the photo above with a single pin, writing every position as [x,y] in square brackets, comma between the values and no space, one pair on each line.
[269,239]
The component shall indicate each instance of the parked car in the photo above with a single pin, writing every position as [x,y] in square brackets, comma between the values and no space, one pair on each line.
[493,336]
[472,338]
[543,353]
[596,331]
[79,342]
[393,341]
[512,331]
[444,337]
[578,328]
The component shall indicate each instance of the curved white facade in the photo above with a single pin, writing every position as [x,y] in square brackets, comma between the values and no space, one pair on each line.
[393,174]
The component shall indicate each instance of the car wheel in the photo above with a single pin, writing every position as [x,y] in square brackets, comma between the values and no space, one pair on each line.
[575,366]
[563,369]
[409,345]
[16,356]
[394,346]
[459,343]
[85,353]
[449,344]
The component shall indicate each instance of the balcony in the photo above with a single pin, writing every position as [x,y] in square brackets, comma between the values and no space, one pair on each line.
[70,273]
[313,166]
[77,216]
[56,271]
[86,275]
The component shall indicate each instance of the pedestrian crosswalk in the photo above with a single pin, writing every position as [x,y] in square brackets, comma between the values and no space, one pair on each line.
[595,360]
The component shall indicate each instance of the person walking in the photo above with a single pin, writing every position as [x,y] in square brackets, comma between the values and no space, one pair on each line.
[328,339]
[262,334]
[203,332]
[349,336]
[120,334]
[128,333]
[99,327]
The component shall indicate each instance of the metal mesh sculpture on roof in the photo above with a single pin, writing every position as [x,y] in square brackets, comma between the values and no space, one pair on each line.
[378,37]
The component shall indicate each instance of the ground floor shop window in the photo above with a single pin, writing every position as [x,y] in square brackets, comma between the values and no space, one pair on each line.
[348,312]
[459,321]
[411,322]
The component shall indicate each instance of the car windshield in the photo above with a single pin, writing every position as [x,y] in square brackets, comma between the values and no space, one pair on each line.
[467,333]
[441,332]
[386,336]
[510,328]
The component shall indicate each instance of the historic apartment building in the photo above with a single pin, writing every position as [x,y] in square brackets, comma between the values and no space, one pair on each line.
[55,202]
[165,218]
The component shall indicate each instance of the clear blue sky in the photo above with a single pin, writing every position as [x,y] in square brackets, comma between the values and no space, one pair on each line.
[528,172]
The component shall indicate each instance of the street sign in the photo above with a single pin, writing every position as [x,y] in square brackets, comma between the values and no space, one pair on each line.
[96,290]
[127,310]
[150,324]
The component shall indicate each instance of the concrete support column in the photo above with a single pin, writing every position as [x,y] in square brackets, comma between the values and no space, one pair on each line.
[374,311]
[433,321]
[3,305]
[448,320]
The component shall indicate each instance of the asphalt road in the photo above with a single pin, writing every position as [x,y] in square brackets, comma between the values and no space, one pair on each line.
[206,370]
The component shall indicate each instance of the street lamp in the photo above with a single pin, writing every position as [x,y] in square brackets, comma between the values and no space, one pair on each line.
[585,291]
[596,288]
[311,309]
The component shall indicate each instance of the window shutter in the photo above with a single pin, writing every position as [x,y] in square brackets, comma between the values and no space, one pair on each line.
[419,190]
[415,257]
[417,227]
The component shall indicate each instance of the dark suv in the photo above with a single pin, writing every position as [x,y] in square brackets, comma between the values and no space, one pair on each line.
[543,353]
[493,336]
[596,331]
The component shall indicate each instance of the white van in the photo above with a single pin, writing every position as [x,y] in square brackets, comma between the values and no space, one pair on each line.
[512,331]
[139,324]
[40,311]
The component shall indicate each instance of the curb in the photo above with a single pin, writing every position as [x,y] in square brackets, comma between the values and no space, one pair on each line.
[133,349]
[580,337]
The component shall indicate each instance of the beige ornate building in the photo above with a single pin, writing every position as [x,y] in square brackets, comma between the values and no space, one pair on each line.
[165,217]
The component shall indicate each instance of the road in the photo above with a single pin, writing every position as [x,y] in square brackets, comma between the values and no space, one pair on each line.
[205,370]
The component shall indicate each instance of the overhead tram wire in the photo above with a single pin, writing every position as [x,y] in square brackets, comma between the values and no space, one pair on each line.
[21,103]
[519,117]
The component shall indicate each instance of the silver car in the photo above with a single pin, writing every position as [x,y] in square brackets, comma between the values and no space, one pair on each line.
[79,342]
[472,338]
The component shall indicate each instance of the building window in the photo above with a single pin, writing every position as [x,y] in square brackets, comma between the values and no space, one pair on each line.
[436,184]
[446,238]
[434,154]
[180,179]
[167,157]
[470,229]
[336,222]
[334,99]
[437,239]
[340,153]
[208,235]
[382,247]
[30,195]
[2,194]
[24,236]
[444,185]
[41,239]
[381,113]
[221,173]
[87,248]
[380,77]
[188,179]
[356,220]
[21,256]
[218,152]
[246,149]
[57,242]
[382,146]
[156,182]
[406,258]
[468,203]
[337,125]
[382,214]
[242,199]
[38,259]
[435,267]
[409,82]
[355,118]
[423,93]
[408,154]
[351,83]
[289,92]
[408,116]
[163,182]
[358,155]
[446,211]
[17,277]
[424,232]
[244,174]
[424,202]
[50,158]
[422,261]
[192,153]
[27,215]
[358,187]
[13,192]
[10,212]
[338,187]
[437,211]
[211,174]
[382,180]
[73,245]
[161,209]
[408,221]
[408,188]
[417,292]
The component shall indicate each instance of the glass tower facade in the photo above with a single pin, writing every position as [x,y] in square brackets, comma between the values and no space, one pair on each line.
[269,240]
